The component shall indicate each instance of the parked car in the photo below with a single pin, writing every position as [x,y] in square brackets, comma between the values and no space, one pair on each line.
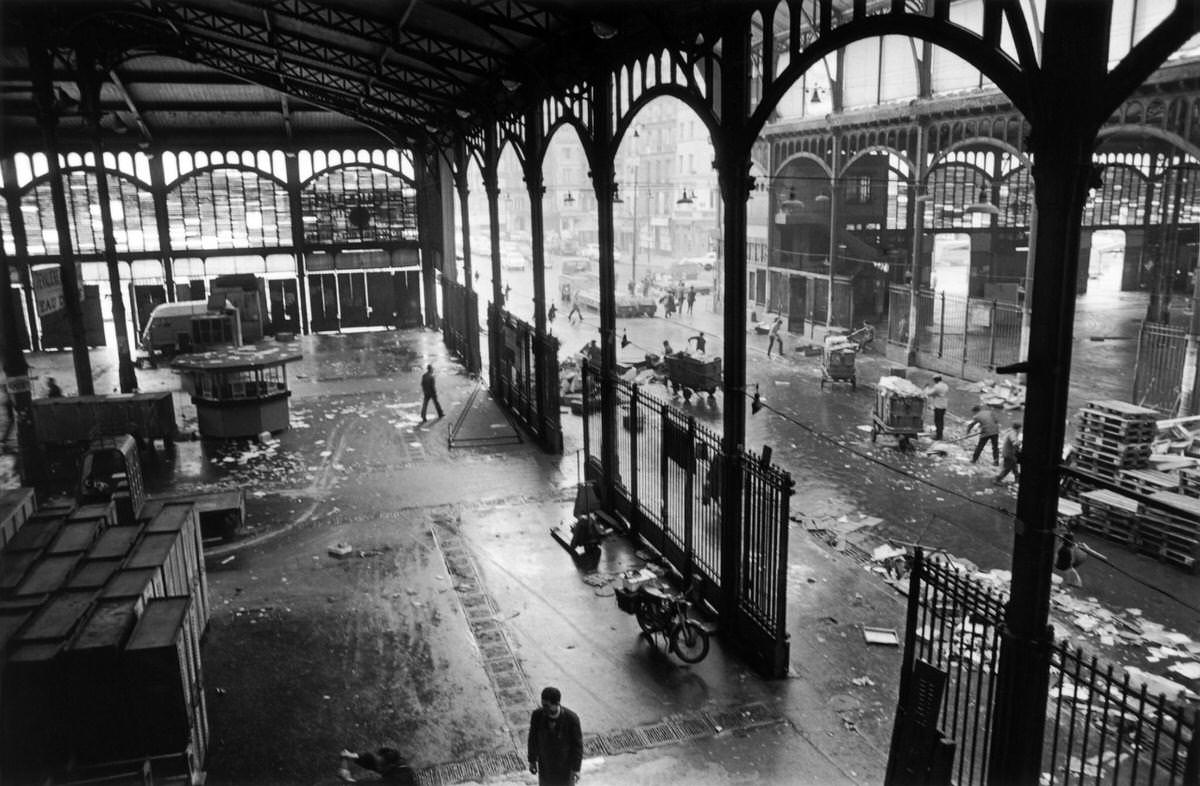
[511,260]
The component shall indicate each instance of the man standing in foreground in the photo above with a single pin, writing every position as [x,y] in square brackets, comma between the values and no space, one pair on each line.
[555,742]
[938,393]
[429,388]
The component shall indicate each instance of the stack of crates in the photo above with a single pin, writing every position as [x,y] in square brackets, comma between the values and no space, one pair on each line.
[1113,436]
[100,628]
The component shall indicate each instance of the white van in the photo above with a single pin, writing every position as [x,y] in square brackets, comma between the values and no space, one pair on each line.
[169,330]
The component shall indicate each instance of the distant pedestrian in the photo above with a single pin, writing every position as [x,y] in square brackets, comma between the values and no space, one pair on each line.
[574,312]
[507,293]
[552,313]
[429,388]
[667,351]
[668,302]
[773,335]
[555,742]
[701,342]
[1010,454]
[388,762]
[1069,557]
[52,388]
[989,431]
[937,393]
[691,299]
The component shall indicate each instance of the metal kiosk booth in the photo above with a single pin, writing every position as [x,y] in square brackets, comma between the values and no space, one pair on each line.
[240,391]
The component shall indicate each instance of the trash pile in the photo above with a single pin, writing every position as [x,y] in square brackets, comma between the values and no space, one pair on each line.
[1073,617]
[1005,394]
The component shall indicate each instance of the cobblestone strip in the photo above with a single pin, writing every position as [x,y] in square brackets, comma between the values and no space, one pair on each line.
[509,683]
[515,697]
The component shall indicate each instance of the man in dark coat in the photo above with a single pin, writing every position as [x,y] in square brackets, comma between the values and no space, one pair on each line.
[555,742]
[429,388]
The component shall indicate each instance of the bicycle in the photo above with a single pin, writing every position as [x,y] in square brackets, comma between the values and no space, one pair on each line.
[659,610]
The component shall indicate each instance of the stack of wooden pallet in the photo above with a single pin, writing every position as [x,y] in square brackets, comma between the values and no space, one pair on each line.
[1110,514]
[1114,435]
[1170,529]
[1189,481]
[100,627]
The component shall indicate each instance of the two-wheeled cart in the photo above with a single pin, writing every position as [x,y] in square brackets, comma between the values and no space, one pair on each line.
[691,374]
[899,411]
[838,363]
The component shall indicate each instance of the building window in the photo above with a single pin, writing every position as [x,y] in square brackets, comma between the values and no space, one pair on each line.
[858,191]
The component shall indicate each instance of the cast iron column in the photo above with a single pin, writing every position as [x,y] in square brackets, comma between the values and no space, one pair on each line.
[492,187]
[1066,100]
[90,74]
[603,185]
[429,228]
[291,166]
[158,189]
[733,142]
[42,70]
[460,185]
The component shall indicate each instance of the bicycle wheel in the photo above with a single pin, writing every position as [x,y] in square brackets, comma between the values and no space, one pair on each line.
[647,615]
[690,641]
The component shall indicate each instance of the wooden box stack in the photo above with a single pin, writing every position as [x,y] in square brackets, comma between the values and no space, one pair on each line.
[100,628]
[1170,529]
[1114,435]
[1110,514]
[1189,481]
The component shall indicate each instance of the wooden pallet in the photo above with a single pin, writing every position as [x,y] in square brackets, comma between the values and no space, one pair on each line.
[1117,428]
[1172,526]
[1105,441]
[1147,481]
[1189,481]
[1122,409]
[1111,459]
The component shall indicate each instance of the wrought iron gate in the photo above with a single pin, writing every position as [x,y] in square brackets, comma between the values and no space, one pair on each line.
[670,480]
[460,324]
[1158,370]
[1100,728]
[524,376]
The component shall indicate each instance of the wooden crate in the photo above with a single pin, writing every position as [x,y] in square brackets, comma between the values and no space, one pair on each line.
[164,680]
[38,532]
[47,575]
[115,542]
[93,573]
[104,511]
[16,507]
[101,718]
[183,517]
[1171,527]
[76,536]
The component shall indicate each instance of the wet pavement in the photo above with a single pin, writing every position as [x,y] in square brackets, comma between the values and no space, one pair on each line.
[454,606]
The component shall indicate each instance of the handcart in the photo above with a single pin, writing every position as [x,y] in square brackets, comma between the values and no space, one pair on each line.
[899,411]
[838,364]
[690,374]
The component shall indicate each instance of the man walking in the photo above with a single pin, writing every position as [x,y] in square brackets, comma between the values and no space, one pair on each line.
[937,393]
[691,299]
[773,336]
[429,388]
[989,431]
[555,742]
[574,312]
[1010,454]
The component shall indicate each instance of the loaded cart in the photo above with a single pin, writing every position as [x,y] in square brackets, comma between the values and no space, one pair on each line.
[838,361]
[690,374]
[899,410]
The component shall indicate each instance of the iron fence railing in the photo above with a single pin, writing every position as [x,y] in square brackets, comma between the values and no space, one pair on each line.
[964,336]
[460,324]
[1158,369]
[670,482]
[523,371]
[1100,727]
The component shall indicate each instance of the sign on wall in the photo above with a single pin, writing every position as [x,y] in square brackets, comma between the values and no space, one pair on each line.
[48,290]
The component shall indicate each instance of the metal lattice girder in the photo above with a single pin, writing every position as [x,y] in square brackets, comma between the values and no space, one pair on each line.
[311,61]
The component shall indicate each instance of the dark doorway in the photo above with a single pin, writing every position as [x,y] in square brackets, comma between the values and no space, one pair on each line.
[797,303]
[145,297]
[382,305]
[285,305]
[352,297]
[322,301]
[408,298]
